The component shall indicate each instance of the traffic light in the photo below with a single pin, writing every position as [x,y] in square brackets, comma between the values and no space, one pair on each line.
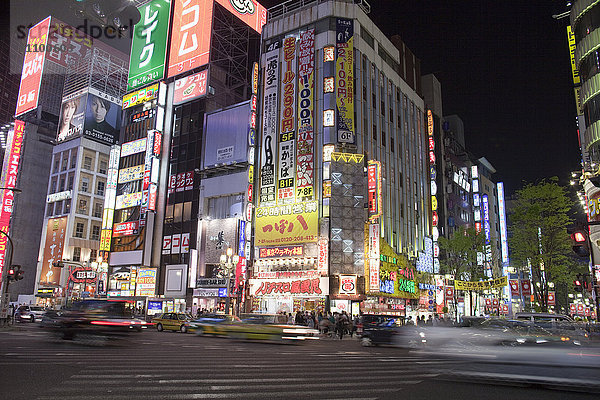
[10,275]
[577,284]
[580,243]
[18,272]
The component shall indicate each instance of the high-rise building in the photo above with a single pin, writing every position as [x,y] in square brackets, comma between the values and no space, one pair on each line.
[339,99]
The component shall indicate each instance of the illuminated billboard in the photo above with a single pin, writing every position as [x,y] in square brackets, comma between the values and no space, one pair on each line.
[191,87]
[374,189]
[287,224]
[33,67]
[140,96]
[287,129]
[344,72]
[102,118]
[72,114]
[251,12]
[230,148]
[56,233]
[306,134]
[502,216]
[149,45]
[190,35]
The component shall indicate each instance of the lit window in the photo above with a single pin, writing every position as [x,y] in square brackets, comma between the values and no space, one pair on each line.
[328,117]
[328,84]
[328,53]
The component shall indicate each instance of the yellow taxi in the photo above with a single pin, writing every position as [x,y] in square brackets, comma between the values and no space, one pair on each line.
[270,327]
[172,322]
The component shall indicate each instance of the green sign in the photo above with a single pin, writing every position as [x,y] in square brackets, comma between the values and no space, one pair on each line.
[149,46]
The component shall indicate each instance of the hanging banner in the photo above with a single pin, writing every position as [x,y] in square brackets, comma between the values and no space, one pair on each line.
[526,287]
[287,224]
[551,299]
[514,287]
[345,80]
[306,134]
[269,127]
[287,129]
[149,45]
[449,293]
[481,285]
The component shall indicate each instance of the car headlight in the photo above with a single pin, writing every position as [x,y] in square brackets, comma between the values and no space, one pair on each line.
[422,334]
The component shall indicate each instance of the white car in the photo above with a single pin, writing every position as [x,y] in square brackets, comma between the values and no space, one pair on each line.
[28,313]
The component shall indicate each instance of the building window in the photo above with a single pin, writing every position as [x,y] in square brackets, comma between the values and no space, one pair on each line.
[65,162]
[95,232]
[77,254]
[56,163]
[98,210]
[392,144]
[53,185]
[49,209]
[79,227]
[73,158]
[82,206]
[85,184]
[374,132]
[67,206]
[87,162]
[70,182]
[102,167]
[100,188]
[93,254]
[61,185]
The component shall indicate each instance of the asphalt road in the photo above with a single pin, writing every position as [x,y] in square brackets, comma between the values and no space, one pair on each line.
[167,365]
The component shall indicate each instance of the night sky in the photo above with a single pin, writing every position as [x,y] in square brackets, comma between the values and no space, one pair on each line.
[504,69]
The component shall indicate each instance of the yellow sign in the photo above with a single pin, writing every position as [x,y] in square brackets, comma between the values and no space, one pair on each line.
[482,285]
[574,71]
[105,239]
[287,224]
[140,96]
[434,203]
[577,91]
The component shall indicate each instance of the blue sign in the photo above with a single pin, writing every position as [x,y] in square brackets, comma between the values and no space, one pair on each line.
[223,292]
[242,238]
[155,306]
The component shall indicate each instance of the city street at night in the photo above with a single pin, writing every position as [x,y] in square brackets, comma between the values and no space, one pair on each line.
[163,365]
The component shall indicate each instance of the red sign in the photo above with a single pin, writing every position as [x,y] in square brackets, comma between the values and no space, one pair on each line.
[431,143]
[580,309]
[551,299]
[488,302]
[514,287]
[306,286]
[33,66]
[66,45]
[587,311]
[573,309]
[82,275]
[504,309]
[157,143]
[250,192]
[434,218]
[10,172]
[251,12]
[286,251]
[191,87]
[190,37]
[152,197]
[495,303]
[526,287]
[449,293]
[189,180]
[126,228]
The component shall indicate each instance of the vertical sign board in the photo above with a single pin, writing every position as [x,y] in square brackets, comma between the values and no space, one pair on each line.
[374,257]
[344,73]
[190,37]
[574,71]
[286,165]
[269,127]
[306,134]
[374,189]
[503,229]
[110,198]
[149,45]
[33,67]
[486,217]
[9,175]
[53,250]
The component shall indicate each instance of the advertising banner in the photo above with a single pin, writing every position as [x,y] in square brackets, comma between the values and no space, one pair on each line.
[140,96]
[374,189]
[306,134]
[191,87]
[551,299]
[296,287]
[131,174]
[133,147]
[345,80]
[190,35]
[10,172]
[347,285]
[126,229]
[146,282]
[323,258]
[279,252]
[269,127]
[251,12]
[221,234]
[72,113]
[149,45]
[232,147]
[102,118]
[53,250]
[481,285]
[287,224]
[128,200]
[287,129]
[514,287]
[449,293]
[33,67]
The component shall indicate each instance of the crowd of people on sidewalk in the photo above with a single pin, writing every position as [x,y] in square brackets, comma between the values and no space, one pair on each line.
[334,324]
[430,321]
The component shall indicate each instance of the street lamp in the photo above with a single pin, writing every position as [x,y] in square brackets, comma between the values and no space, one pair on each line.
[228,261]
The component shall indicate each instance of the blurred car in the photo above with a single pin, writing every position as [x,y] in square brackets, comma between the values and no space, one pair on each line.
[172,322]
[27,313]
[271,327]
[210,324]
[94,321]
[374,330]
